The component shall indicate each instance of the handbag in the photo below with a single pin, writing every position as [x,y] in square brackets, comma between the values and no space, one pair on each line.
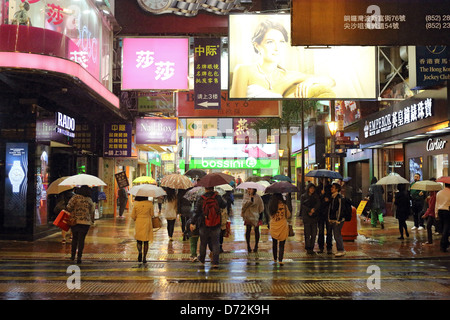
[65,220]
[291,231]
[156,222]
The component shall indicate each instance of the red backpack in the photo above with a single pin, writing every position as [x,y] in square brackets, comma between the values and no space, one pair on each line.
[211,210]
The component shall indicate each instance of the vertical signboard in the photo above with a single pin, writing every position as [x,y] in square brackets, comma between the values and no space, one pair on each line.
[207,73]
[428,65]
[117,140]
[15,198]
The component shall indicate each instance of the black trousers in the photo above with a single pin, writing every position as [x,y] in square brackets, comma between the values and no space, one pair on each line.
[79,232]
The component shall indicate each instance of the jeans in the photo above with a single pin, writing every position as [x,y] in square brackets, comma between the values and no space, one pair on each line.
[79,232]
[337,228]
[431,221]
[310,235]
[209,235]
[321,238]
[444,217]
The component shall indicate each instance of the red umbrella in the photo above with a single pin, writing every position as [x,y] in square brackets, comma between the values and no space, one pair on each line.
[444,179]
[214,179]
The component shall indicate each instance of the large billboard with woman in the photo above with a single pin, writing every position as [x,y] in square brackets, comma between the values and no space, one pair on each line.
[263,64]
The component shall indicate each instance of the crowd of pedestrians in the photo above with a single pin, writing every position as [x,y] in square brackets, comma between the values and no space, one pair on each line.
[321,210]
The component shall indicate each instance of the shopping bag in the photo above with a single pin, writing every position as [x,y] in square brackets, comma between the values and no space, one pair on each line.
[63,220]
[228,229]
[156,222]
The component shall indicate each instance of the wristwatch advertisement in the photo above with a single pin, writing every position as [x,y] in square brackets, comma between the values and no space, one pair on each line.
[188,8]
[16,176]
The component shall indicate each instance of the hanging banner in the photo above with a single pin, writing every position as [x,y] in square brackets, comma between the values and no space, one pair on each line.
[207,73]
[370,22]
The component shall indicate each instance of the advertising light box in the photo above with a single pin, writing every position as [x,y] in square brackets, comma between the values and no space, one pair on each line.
[263,65]
[155,63]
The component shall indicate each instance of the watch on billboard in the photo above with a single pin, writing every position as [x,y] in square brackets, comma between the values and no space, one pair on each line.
[263,64]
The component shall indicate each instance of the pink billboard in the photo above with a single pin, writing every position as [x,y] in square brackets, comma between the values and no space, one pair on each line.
[155,63]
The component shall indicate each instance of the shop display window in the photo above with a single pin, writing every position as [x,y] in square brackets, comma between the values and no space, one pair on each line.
[42,182]
[438,165]
[80,21]
[415,166]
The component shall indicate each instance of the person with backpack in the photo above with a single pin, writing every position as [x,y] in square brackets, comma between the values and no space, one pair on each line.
[336,217]
[207,220]
[252,210]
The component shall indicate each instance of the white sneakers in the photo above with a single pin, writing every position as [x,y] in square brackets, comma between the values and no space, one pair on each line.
[420,228]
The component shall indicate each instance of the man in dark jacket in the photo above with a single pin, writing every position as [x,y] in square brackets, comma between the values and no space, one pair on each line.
[336,218]
[418,200]
[309,208]
[208,234]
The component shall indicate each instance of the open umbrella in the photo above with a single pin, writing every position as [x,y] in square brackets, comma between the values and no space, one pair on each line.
[214,179]
[324,173]
[444,179]
[251,185]
[427,185]
[145,180]
[281,187]
[82,180]
[55,188]
[225,187]
[147,190]
[393,178]
[282,177]
[194,193]
[176,181]
[195,173]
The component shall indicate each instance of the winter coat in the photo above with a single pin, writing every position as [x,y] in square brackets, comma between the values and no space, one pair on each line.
[251,210]
[142,214]
[376,196]
[307,203]
[279,227]
[403,206]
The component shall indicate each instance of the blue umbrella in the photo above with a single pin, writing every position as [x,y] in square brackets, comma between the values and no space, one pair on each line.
[324,173]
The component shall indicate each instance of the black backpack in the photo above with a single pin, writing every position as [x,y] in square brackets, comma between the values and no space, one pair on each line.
[347,209]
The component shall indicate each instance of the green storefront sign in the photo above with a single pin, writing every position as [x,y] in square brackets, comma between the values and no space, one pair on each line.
[243,163]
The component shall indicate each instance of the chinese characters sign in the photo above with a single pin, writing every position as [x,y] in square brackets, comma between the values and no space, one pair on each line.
[207,73]
[370,22]
[117,140]
[155,63]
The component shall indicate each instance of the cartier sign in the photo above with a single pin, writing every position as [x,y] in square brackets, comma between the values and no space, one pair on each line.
[437,144]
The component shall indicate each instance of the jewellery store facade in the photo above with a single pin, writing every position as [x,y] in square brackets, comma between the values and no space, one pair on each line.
[54,101]
[410,137]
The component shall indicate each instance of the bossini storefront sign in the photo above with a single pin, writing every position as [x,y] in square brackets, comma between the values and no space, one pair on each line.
[247,163]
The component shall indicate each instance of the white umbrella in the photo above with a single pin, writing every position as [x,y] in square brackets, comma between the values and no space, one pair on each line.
[251,185]
[83,180]
[265,184]
[393,178]
[427,185]
[147,190]
[225,187]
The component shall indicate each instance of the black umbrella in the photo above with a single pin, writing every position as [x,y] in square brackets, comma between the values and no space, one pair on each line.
[324,173]
[282,177]
[195,173]
[281,187]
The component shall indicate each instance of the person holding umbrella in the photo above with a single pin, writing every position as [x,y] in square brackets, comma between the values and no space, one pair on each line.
[142,214]
[418,201]
[209,234]
[376,202]
[82,208]
[403,209]
[309,208]
[252,210]
[171,210]
[279,226]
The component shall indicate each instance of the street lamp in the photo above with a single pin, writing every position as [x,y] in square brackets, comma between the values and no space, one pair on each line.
[332,127]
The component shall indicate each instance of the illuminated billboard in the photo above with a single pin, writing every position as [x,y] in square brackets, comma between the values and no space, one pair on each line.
[263,65]
[155,63]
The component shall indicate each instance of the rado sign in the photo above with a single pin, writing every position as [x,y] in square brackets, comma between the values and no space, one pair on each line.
[437,144]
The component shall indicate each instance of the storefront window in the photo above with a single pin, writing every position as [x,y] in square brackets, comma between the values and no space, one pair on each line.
[415,166]
[438,165]
[80,21]
[42,176]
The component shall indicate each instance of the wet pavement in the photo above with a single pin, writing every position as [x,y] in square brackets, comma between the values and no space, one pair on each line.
[377,265]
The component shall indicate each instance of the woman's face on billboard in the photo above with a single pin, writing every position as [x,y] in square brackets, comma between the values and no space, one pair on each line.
[272,46]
